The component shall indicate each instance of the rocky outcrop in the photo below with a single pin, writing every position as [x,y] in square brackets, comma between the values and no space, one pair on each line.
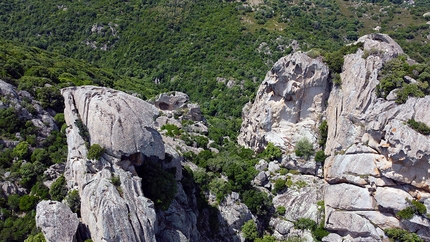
[122,124]
[288,104]
[57,221]
[27,108]
[376,163]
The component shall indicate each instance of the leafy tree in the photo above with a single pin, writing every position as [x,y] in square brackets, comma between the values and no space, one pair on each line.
[22,150]
[74,201]
[249,230]
[36,238]
[320,156]
[58,189]
[271,152]
[304,148]
[27,202]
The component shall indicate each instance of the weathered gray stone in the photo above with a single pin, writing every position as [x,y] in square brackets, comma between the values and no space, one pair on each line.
[122,125]
[171,101]
[287,104]
[350,223]
[119,122]
[348,197]
[392,198]
[301,202]
[57,221]
[234,212]
[260,179]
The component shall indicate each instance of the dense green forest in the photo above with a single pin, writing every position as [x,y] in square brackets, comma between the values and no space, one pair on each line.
[197,47]
[186,45]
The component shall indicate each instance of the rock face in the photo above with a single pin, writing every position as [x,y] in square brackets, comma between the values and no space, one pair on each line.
[122,124]
[377,164]
[125,127]
[288,104]
[57,221]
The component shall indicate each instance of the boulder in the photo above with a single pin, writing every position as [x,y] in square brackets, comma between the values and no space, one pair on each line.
[348,197]
[260,179]
[57,221]
[121,123]
[171,101]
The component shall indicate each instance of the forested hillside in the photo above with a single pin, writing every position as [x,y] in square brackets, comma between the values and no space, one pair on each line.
[194,46]
[217,52]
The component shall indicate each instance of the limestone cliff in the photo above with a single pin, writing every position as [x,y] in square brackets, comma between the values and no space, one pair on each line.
[376,163]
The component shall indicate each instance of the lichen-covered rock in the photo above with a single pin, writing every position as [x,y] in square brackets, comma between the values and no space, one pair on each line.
[287,104]
[57,221]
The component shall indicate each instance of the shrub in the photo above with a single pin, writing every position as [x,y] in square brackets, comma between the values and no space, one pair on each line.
[27,202]
[58,189]
[95,152]
[22,150]
[320,156]
[323,128]
[419,126]
[249,230]
[116,181]
[419,207]
[304,148]
[271,152]
[305,223]
[83,130]
[406,213]
[172,130]
[281,210]
[280,185]
[36,238]
[74,202]
[402,235]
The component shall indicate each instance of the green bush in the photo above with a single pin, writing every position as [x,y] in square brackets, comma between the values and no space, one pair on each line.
[249,230]
[271,152]
[83,130]
[419,126]
[280,185]
[74,202]
[36,238]
[304,148]
[406,213]
[22,150]
[27,202]
[95,152]
[323,128]
[172,130]
[281,210]
[58,189]
[320,156]
[305,223]
[402,235]
[419,207]
[266,238]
